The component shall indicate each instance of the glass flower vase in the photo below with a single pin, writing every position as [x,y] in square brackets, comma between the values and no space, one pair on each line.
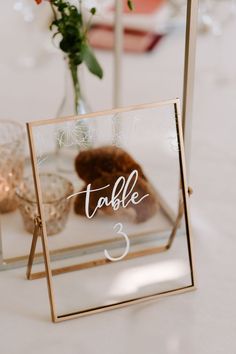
[77,135]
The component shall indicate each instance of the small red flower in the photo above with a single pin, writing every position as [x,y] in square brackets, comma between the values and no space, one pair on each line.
[39,1]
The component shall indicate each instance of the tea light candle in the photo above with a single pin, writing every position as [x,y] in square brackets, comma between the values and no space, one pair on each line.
[55,190]
[4,188]
[11,163]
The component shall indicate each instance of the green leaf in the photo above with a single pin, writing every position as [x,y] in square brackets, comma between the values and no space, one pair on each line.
[93,10]
[130,5]
[91,61]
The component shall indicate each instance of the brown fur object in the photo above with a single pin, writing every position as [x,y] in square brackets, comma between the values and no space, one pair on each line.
[103,166]
[94,163]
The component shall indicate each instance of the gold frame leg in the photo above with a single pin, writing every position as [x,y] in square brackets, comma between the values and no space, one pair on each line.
[37,232]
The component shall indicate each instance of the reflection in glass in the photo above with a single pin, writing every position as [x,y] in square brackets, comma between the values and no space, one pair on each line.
[127,210]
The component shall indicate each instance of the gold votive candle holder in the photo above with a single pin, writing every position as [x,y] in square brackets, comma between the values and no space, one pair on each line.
[12,141]
[55,190]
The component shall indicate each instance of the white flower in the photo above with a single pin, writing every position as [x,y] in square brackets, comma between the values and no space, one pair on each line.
[74,133]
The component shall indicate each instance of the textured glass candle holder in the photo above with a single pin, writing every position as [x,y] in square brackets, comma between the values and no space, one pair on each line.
[55,189]
[11,163]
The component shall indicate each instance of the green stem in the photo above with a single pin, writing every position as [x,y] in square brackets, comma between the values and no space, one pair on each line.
[80,10]
[76,85]
[87,27]
[53,11]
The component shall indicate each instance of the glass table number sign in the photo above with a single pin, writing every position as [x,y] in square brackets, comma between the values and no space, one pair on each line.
[109,192]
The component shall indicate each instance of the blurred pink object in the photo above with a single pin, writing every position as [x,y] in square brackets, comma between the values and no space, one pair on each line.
[135,41]
[144,6]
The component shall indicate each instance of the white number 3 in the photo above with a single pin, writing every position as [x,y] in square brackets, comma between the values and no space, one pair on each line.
[118,228]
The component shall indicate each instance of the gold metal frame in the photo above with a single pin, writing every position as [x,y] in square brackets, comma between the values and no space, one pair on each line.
[40,225]
[187,107]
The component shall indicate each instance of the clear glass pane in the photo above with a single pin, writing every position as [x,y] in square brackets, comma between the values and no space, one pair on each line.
[114,206]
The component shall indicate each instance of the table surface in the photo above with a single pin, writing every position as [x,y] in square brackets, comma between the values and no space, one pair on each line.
[203,321]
